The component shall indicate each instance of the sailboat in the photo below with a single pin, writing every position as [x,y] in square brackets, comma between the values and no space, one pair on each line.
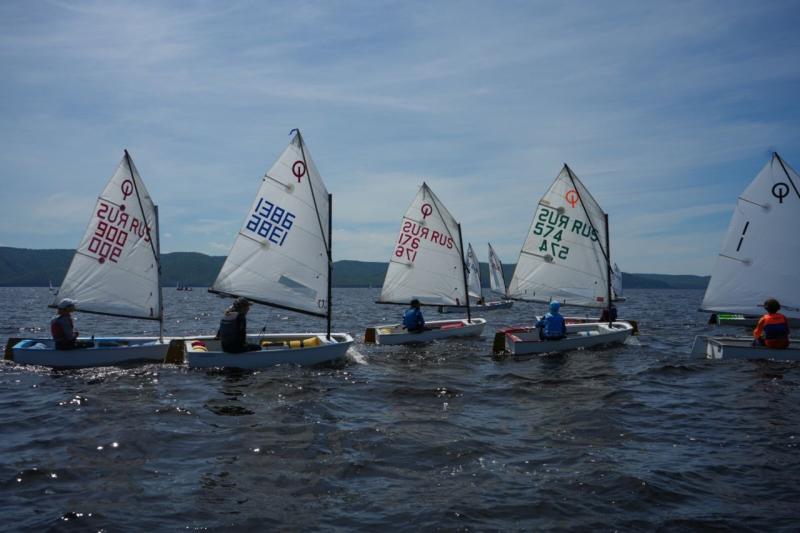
[281,258]
[758,260]
[427,264]
[51,288]
[566,257]
[116,271]
[616,285]
[474,284]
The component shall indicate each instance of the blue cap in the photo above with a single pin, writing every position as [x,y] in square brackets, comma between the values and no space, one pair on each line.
[554,306]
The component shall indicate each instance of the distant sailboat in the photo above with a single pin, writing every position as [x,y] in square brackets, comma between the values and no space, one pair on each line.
[51,288]
[565,257]
[281,258]
[115,271]
[616,285]
[474,283]
[758,260]
[427,264]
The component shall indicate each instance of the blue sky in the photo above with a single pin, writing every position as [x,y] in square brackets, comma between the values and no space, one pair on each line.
[666,110]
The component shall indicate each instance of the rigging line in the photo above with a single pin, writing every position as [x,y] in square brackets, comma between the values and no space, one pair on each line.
[787,174]
[313,196]
[585,212]
[141,208]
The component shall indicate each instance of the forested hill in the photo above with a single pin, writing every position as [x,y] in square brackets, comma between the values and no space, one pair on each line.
[22,267]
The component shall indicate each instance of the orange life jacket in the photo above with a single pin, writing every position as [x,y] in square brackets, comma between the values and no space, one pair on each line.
[775,330]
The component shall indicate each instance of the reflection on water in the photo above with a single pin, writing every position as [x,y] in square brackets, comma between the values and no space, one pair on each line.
[438,436]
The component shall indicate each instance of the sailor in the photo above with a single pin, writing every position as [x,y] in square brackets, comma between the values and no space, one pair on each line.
[63,329]
[413,320]
[609,315]
[772,329]
[552,326]
[233,328]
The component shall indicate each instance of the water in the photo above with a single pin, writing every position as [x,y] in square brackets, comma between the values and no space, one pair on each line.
[441,437]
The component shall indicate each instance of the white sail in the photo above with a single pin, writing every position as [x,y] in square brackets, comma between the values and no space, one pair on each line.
[497,281]
[115,270]
[761,250]
[563,256]
[427,262]
[616,282]
[473,274]
[280,256]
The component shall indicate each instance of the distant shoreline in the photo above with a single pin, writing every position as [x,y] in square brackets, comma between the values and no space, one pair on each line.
[25,267]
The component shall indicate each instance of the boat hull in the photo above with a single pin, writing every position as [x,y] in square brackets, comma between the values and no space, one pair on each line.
[744,321]
[107,351]
[322,351]
[742,348]
[525,340]
[393,334]
[488,306]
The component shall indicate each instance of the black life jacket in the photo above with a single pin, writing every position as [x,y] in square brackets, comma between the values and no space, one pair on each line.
[231,333]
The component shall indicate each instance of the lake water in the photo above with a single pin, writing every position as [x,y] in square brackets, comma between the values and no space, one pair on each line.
[443,436]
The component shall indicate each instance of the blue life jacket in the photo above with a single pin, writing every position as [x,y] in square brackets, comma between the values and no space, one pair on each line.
[554,325]
[413,320]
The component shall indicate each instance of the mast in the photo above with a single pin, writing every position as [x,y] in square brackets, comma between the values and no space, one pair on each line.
[330,259]
[160,293]
[608,268]
[604,250]
[156,252]
[464,272]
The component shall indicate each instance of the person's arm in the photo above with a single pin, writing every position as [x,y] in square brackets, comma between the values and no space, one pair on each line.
[759,328]
[242,321]
[420,319]
[57,331]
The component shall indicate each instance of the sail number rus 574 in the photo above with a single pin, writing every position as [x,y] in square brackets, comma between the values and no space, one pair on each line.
[410,236]
[551,225]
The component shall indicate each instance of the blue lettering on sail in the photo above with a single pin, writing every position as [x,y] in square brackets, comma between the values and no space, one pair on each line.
[270,221]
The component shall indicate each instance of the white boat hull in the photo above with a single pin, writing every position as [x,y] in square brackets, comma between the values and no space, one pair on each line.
[525,340]
[440,329]
[323,351]
[107,351]
[488,306]
[742,348]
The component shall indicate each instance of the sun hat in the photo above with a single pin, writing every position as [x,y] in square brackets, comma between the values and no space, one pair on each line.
[66,303]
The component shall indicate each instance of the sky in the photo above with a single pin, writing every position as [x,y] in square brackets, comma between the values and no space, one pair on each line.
[665,110]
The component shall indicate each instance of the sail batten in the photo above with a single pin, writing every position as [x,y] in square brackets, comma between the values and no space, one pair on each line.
[116,267]
[427,261]
[281,253]
[563,257]
[760,252]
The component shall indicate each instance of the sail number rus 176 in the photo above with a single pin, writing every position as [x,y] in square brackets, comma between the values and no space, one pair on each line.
[410,235]
[551,225]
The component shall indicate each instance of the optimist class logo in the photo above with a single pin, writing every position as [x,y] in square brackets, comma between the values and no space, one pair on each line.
[426,210]
[127,189]
[299,170]
[572,197]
